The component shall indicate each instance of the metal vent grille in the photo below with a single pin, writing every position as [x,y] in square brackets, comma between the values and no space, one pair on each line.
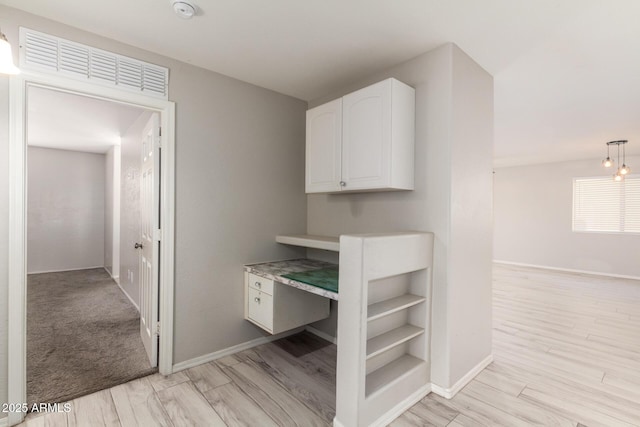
[46,53]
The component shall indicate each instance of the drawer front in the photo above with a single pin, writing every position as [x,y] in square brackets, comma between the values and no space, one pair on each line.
[261,284]
[260,308]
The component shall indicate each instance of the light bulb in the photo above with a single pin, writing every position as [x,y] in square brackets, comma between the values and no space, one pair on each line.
[624,169]
[607,163]
[6,59]
[617,177]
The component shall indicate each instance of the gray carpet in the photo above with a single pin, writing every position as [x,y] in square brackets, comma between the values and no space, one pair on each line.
[83,335]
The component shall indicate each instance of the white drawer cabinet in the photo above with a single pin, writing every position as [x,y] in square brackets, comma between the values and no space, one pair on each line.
[363,141]
[260,308]
[276,307]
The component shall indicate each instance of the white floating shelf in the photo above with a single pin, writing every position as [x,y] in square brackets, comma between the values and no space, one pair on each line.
[394,337]
[391,373]
[308,241]
[390,306]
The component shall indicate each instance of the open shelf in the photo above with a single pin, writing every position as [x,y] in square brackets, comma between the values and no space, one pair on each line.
[390,306]
[308,241]
[394,337]
[390,373]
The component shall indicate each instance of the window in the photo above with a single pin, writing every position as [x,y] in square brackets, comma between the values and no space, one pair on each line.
[603,205]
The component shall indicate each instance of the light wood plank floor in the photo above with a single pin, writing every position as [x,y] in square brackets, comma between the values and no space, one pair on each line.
[566,349]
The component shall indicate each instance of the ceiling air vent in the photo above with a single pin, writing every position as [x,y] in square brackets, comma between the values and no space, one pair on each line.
[49,54]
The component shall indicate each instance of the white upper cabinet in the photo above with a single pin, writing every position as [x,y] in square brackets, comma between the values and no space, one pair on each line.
[363,141]
[324,136]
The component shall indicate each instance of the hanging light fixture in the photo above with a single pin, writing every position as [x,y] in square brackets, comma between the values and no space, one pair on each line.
[607,163]
[622,170]
[6,58]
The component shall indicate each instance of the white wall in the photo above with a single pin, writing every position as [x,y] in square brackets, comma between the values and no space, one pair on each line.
[108,211]
[452,198]
[533,212]
[4,233]
[240,182]
[65,210]
[112,212]
[130,207]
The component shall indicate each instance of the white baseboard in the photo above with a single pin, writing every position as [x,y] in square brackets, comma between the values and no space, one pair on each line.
[128,296]
[448,393]
[196,361]
[114,278]
[64,270]
[401,407]
[397,410]
[325,336]
[567,270]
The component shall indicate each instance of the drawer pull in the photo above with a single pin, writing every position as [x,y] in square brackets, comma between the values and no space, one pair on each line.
[258,285]
[256,299]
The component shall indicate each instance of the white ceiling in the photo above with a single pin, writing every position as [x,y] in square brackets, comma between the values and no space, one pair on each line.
[72,122]
[567,73]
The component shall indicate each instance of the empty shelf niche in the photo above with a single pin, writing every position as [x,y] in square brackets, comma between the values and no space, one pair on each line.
[397,329]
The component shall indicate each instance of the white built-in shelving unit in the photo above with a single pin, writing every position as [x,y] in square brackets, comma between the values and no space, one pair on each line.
[384,323]
[383,326]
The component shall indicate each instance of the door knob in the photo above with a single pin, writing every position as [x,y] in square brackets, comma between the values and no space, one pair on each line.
[138,246]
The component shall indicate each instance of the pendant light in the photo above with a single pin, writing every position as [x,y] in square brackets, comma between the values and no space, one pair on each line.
[622,170]
[6,57]
[607,163]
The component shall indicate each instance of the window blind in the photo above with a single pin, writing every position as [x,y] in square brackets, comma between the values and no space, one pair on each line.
[603,205]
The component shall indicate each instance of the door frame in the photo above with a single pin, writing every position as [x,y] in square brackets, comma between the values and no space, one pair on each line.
[17,291]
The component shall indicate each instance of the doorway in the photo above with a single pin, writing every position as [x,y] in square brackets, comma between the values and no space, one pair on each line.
[83,322]
[18,221]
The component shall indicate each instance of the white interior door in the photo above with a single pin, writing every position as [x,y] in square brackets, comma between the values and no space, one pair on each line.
[150,236]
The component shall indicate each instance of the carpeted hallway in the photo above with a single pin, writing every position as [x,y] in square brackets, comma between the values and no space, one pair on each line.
[83,335]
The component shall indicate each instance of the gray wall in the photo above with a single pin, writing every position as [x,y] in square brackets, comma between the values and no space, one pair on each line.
[130,165]
[452,198]
[471,214]
[533,212]
[240,182]
[65,210]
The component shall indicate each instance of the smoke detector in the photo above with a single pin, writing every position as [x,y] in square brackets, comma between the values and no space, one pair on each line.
[184,8]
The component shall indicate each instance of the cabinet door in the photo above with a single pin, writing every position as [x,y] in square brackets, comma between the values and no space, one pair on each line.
[366,137]
[324,134]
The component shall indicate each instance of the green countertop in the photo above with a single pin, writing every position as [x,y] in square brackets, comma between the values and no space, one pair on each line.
[325,278]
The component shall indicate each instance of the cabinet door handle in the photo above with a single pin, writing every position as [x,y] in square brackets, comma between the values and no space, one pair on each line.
[256,299]
[258,285]
[343,184]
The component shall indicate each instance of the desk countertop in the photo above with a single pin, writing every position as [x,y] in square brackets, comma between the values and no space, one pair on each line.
[276,270]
